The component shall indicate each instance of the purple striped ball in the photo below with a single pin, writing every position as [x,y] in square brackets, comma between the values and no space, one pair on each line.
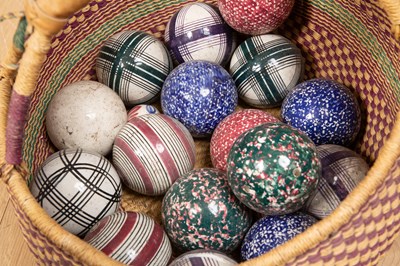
[198,32]
[342,170]
[151,152]
[131,238]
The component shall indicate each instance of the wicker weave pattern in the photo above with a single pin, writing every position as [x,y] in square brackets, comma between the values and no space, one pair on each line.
[340,39]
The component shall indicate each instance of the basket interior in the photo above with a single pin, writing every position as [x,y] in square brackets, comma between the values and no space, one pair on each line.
[347,41]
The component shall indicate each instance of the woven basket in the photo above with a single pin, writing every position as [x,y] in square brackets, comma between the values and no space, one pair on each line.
[348,41]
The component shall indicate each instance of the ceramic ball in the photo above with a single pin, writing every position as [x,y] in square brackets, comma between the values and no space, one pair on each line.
[325,110]
[151,152]
[342,170]
[87,115]
[142,109]
[199,94]
[230,129]
[273,168]
[198,32]
[202,257]
[200,211]
[255,17]
[77,189]
[135,65]
[265,69]
[272,231]
[132,239]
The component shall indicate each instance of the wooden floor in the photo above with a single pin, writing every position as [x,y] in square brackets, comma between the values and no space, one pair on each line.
[13,250]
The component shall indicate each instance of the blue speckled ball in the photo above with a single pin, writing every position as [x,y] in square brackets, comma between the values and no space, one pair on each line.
[272,231]
[199,94]
[325,110]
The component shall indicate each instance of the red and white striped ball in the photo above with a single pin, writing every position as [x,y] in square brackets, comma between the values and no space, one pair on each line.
[141,109]
[151,152]
[255,17]
[230,129]
[131,238]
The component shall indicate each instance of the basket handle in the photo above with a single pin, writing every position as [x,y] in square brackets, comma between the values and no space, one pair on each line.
[46,18]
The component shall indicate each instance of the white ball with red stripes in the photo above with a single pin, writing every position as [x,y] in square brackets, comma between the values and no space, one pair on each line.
[151,152]
[131,238]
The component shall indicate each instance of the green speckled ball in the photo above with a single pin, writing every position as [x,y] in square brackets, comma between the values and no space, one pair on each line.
[200,211]
[273,168]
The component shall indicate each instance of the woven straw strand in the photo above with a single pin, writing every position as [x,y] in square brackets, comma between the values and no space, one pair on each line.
[49,17]
[11,16]
[8,71]
[392,8]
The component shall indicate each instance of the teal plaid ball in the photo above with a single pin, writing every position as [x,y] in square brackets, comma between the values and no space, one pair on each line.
[265,69]
[135,65]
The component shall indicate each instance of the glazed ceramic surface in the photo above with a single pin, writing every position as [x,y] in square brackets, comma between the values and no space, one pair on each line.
[230,129]
[199,94]
[131,238]
[135,65]
[87,115]
[273,168]
[141,109]
[265,69]
[342,170]
[77,189]
[202,257]
[151,152]
[325,110]
[200,211]
[198,32]
[255,17]
[272,231]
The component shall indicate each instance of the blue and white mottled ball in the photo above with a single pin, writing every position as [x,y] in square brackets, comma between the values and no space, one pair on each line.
[265,69]
[202,257]
[198,32]
[134,64]
[272,231]
[141,109]
[77,189]
[325,110]
[342,170]
[199,94]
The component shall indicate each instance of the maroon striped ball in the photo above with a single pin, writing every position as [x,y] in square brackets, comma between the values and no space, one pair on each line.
[151,152]
[131,238]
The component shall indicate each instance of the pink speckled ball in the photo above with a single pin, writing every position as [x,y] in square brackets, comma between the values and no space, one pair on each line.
[255,17]
[230,129]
